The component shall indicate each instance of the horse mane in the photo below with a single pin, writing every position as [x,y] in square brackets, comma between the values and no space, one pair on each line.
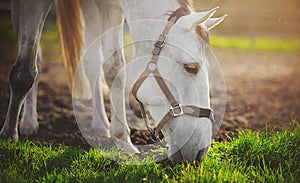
[186,4]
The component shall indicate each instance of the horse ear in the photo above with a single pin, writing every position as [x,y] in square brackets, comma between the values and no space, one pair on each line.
[210,23]
[192,20]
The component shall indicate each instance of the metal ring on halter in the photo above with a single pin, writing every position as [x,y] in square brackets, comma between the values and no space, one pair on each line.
[151,66]
[176,110]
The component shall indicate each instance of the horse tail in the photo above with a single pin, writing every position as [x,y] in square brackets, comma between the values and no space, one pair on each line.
[70,27]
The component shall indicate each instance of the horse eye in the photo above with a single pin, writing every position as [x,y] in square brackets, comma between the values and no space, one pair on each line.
[192,68]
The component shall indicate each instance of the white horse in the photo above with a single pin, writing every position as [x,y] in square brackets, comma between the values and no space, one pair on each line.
[182,68]
[170,79]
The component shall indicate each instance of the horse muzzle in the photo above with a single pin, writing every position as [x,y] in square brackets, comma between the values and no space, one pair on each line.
[181,157]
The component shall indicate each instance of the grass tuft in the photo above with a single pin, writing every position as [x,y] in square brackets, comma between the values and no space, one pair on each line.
[268,156]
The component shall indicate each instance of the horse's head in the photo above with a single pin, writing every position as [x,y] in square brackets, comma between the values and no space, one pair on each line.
[174,86]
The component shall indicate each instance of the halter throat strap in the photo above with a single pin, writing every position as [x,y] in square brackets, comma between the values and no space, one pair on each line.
[176,109]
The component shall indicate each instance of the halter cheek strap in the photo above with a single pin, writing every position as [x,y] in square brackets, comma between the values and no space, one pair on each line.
[176,109]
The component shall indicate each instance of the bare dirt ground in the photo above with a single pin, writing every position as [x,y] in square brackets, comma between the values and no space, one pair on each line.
[262,87]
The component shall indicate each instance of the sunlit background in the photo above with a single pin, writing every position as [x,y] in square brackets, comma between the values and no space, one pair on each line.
[271,18]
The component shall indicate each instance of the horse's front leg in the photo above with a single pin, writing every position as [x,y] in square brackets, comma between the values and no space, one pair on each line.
[29,17]
[92,64]
[115,78]
[114,62]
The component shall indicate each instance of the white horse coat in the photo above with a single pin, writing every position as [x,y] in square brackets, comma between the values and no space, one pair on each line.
[188,137]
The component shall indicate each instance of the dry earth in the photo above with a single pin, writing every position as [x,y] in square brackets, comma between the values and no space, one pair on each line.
[262,87]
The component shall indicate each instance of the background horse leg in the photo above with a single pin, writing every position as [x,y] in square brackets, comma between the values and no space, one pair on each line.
[92,64]
[29,124]
[111,15]
[30,21]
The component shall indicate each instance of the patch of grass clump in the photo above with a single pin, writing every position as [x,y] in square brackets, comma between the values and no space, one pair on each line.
[252,156]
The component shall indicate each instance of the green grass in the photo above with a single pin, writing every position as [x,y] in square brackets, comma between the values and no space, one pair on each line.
[250,157]
[247,43]
[256,43]
[50,39]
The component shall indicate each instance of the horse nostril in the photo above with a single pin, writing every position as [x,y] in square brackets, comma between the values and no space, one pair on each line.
[177,157]
[192,68]
[201,154]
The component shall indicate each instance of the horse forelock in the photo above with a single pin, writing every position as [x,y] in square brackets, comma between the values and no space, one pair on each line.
[203,33]
[186,9]
[187,4]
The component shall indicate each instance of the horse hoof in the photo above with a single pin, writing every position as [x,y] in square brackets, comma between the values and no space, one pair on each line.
[106,143]
[29,129]
[131,150]
[9,136]
[126,147]
[100,130]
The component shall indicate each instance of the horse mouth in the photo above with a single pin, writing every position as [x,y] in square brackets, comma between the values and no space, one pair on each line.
[201,154]
[178,158]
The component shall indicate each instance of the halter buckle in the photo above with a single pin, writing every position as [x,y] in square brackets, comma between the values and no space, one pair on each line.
[161,41]
[176,110]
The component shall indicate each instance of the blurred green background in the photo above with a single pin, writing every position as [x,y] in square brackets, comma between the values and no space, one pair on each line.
[256,24]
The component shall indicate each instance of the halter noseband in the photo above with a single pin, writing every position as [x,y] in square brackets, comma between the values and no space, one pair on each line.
[176,109]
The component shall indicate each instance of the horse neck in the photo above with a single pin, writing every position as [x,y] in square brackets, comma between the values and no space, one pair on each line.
[146,20]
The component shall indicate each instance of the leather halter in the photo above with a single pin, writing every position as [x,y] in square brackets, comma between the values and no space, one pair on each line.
[176,109]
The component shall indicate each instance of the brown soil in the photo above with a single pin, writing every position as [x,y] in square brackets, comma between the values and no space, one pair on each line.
[262,87]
